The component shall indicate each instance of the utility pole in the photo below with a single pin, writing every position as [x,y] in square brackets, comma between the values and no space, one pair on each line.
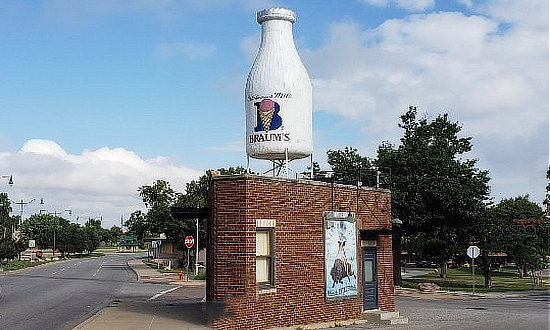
[197,250]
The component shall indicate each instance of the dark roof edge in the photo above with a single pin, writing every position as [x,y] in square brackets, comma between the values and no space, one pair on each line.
[248,176]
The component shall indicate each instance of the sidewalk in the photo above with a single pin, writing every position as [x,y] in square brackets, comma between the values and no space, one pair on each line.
[454,295]
[178,308]
[147,274]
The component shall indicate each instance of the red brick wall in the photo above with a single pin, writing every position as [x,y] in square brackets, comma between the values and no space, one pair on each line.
[297,207]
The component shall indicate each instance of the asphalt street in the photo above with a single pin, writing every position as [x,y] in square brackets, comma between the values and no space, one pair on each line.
[525,311]
[62,294]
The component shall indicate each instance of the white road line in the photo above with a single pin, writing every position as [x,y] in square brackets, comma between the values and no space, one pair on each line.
[164,292]
[151,324]
[97,271]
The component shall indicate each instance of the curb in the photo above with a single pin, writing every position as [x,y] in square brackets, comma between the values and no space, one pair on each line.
[464,294]
[88,320]
[324,325]
[133,270]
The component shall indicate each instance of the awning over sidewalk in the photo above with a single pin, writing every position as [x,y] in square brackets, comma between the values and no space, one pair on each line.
[188,213]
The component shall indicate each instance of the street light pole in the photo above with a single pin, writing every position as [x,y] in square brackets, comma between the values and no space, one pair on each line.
[55,213]
[197,250]
[22,205]
[8,176]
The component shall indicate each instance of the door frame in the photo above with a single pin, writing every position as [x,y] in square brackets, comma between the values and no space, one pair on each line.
[372,251]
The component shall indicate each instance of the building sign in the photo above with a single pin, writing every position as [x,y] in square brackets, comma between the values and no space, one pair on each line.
[340,255]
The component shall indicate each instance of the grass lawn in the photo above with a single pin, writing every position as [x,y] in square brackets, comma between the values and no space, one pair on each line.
[460,279]
[20,264]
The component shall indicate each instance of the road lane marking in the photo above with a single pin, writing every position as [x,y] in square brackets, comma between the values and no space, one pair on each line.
[164,292]
[97,271]
[151,324]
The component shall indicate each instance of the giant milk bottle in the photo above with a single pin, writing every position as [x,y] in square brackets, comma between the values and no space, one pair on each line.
[278,96]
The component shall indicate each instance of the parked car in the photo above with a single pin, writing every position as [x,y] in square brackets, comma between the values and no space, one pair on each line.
[425,264]
[451,264]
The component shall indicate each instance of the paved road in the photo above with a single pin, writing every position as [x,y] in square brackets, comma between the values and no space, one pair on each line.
[524,312]
[60,295]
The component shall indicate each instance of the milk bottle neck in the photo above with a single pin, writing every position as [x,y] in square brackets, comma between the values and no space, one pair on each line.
[277,34]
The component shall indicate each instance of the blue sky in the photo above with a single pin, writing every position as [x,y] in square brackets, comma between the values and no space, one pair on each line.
[99,97]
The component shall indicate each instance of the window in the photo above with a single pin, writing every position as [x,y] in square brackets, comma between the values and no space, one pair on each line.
[265,272]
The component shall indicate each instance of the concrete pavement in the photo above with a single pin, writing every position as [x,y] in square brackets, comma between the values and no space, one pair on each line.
[147,274]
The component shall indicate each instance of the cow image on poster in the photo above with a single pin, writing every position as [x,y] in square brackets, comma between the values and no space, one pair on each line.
[342,267]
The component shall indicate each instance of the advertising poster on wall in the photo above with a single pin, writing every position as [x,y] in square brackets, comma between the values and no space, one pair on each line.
[340,255]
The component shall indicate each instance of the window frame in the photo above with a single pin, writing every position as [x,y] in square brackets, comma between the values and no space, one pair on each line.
[270,257]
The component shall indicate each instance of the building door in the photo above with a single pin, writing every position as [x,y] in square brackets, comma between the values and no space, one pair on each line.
[370,287]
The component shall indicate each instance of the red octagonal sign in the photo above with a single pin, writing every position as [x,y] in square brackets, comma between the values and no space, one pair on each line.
[189,241]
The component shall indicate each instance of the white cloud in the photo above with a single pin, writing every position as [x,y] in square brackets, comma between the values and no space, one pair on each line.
[441,62]
[467,3]
[411,5]
[523,14]
[229,146]
[100,182]
[488,71]
[192,50]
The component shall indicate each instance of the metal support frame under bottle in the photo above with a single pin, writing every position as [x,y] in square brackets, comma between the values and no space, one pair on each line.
[281,165]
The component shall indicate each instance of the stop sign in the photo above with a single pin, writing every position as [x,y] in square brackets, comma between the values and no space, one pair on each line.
[189,241]
[473,252]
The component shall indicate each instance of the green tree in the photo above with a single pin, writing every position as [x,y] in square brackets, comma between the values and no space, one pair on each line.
[75,242]
[8,249]
[349,167]
[524,232]
[488,232]
[50,232]
[547,198]
[6,221]
[92,234]
[158,198]
[114,235]
[137,225]
[436,191]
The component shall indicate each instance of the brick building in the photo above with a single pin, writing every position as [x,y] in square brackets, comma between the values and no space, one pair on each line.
[278,253]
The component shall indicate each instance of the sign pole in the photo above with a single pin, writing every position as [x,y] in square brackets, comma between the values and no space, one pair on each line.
[473,277]
[189,242]
[197,251]
[473,252]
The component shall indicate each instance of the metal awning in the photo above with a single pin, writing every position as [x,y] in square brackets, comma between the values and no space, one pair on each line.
[368,234]
[188,213]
